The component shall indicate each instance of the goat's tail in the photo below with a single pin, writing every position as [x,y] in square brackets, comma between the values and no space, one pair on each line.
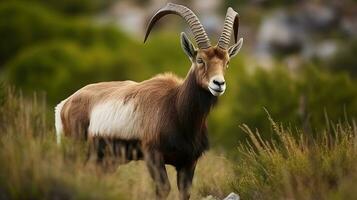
[58,121]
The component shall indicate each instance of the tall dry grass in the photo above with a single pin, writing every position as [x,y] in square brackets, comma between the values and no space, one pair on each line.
[299,166]
[33,166]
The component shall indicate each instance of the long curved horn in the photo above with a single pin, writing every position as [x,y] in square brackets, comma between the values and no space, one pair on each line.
[196,27]
[231,22]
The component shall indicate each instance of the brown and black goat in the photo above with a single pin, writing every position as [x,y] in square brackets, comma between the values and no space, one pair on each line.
[161,120]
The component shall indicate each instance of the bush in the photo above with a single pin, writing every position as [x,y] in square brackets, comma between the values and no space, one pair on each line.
[163,52]
[24,24]
[297,100]
[80,8]
[60,68]
[327,95]
[301,99]
[345,58]
[275,90]
[75,7]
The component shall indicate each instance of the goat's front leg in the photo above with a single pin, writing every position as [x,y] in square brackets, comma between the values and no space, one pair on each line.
[156,165]
[184,180]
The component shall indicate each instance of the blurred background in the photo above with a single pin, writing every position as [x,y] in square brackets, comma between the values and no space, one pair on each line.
[298,61]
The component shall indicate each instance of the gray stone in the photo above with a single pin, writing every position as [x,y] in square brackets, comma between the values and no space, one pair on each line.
[232,196]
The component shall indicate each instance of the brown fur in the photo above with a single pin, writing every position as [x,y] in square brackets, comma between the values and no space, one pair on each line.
[147,95]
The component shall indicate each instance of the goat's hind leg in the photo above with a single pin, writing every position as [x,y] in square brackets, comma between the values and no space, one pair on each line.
[100,153]
[157,170]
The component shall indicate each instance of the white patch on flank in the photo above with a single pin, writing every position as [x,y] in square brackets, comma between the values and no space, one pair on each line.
[114,118]
[58,121]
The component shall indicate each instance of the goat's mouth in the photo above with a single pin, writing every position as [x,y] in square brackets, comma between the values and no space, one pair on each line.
[216,92]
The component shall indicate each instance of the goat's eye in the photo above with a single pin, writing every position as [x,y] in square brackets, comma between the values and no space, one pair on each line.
[200,61]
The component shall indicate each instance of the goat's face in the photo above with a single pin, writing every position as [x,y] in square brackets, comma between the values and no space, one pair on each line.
[210,64]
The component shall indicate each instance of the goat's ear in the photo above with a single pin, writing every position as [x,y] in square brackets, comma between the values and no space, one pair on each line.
[187,46]
[234,49]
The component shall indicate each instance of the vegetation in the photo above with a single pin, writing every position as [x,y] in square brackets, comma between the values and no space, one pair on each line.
[300,99]
[303,167]
[69,7]
[34,167]
[23,24]
[293,165]
[48,51]
[56,47]
[344,60]
[54,52]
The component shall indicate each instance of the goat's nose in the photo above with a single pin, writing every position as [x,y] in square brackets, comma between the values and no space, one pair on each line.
[219,82]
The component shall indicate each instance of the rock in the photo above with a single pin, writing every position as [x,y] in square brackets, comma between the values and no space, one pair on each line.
[232,196]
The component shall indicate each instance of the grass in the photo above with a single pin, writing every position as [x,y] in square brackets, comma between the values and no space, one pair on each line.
[298,166]
[293,166]
[34,167]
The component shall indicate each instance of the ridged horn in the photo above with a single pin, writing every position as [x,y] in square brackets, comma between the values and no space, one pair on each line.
[195,25]
[231,22]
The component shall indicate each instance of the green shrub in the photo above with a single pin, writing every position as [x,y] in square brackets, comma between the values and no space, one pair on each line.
[345,58]
[53,68]
[162,53]
[274,90]
[60,68]
[69,7]
[327,93]
[300,99]
[75,7]
[23,24]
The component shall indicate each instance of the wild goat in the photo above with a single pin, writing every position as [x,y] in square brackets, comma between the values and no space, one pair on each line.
[163,119]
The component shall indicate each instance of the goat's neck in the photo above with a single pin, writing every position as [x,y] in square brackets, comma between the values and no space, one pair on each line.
[193,103]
